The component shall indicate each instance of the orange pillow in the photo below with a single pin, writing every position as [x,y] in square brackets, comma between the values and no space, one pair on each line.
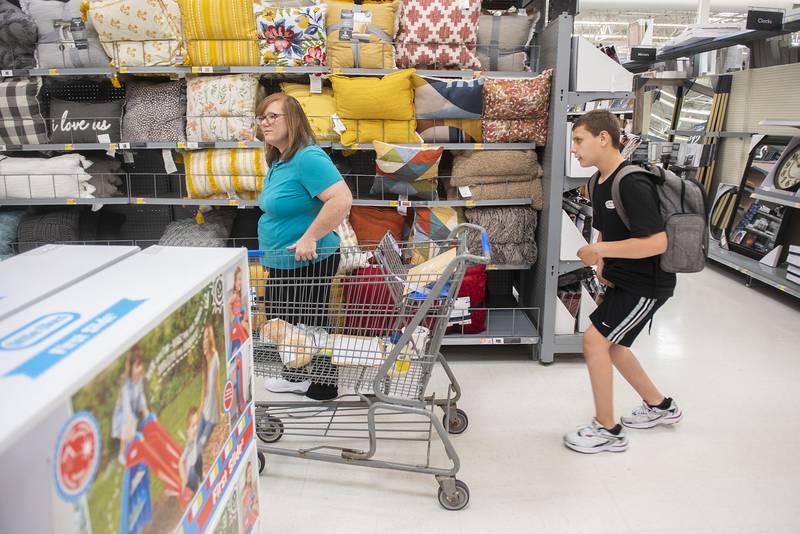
[371,224]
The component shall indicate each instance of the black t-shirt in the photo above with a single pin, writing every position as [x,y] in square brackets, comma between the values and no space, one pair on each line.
[642,277]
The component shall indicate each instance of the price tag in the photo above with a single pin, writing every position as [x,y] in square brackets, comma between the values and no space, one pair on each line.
[316,83]
[491,267]
[403,205]
[123,70]
[478,146]
[242,144]
[53,72]
[470,203]
[203,70]
[499,341]
[138,200]
[336,71]
[424,146]
[69,147]
[192,145]
[169,162]
[112,146]
[782,288]
[6,73]
[487,341]
[477,74]
[464,191]
[233,202]
[280,69]
[393,203]
[181,145]
[71,202]
[124,146]
[104,139]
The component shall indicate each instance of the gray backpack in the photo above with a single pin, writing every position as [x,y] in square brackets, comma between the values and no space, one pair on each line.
[683,207]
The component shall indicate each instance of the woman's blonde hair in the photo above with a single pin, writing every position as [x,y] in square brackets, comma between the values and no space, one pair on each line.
[300,133]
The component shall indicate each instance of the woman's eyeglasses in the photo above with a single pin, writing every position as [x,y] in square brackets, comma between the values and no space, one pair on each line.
[269,117]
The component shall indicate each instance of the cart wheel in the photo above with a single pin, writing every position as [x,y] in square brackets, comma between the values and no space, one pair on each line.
[269,430]
[262,463]
[458,422]
[458,501]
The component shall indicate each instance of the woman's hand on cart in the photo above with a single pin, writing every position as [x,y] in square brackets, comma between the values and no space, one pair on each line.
[305,249]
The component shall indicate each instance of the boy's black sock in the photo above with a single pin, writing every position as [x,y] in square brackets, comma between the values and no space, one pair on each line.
[664,404]
[616,430]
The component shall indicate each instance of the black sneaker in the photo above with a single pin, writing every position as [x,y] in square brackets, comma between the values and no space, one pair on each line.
[322,392]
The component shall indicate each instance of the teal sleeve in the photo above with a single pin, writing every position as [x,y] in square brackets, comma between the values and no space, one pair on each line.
[318,172]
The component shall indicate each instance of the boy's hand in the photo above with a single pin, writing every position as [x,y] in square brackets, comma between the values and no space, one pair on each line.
[589,255]
[600,266]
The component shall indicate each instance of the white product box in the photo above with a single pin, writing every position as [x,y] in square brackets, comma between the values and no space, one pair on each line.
[592,70]
[38,273]
[126,400]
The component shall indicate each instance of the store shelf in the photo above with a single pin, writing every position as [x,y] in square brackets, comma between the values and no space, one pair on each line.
[578,98]
[63,201]
[159,201]
[567,266]
[569,343]
[446,146]
[134,146]
[443,203]
[505,326]
[784,199]
[773,276]
[571,182]
[628,112]
[710,135]
[787,123]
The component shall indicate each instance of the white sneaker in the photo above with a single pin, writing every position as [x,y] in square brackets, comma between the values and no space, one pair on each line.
[646,416]
[281,385]
[593,438]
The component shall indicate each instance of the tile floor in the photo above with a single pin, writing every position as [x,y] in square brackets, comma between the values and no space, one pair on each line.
[728,354]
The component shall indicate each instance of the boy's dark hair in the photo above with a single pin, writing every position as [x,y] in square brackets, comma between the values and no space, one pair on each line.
[597,120]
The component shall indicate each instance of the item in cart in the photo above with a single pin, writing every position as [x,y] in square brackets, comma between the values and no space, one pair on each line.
[428,272]
[438,35]
[361,35]
[18,37]
[221,108]
[503,40]
[21,121]
[436,98]
[376,108]
[473,288]
[291,36]
[432,226]
[406,171]
[239,172]
[318,107]
[154,111]
[220,32]
[79,122]
[351,256]
[138,33]
[295,346]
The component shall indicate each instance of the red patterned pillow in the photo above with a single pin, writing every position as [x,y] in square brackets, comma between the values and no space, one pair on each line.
[438,34]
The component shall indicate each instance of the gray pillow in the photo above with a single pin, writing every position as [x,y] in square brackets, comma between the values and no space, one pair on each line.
[54,227]
[502,40]
[107,176]
[57,46]
[187,233]
[78,122]
[18,35]
[154,111]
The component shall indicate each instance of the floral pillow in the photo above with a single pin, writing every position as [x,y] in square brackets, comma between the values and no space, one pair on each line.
[516,131]
[517,98]
[291,36]
[221,108]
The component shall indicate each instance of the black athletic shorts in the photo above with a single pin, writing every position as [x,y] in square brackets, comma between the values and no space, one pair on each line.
[622,315]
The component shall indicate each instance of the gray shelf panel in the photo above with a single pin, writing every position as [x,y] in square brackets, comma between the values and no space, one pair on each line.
[446,146]
[504,326]
[703,133]
[582,97]
[443,203]
[63,201]
[565,266]
[773,276]
[784,199]
[788,123]
[571,182]
[569,343]
[129,200]
[135,146]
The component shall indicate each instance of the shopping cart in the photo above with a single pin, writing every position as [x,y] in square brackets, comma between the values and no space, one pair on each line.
[373,329]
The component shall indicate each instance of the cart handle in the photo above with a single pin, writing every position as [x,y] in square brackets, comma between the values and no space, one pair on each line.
[256,253]
[486,247]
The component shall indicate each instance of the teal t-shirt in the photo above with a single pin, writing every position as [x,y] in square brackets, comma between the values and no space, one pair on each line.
[290,204]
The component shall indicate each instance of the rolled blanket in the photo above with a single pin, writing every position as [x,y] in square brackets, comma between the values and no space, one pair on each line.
[531,189]
[515,253]
[490,179]
[511,224]
[496,163]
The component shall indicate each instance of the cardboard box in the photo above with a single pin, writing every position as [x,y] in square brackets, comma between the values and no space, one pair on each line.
[126,401]
[38,273]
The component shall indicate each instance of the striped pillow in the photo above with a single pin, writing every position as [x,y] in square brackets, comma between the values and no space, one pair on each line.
[225,173]
[220,32]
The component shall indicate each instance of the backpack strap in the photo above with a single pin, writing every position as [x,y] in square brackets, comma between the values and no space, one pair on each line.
[591,184]
[616,195]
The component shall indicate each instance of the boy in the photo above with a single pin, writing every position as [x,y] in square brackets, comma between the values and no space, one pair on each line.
[190,468]
[628,264]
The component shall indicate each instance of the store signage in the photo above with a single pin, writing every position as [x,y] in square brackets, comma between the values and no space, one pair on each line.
[643,53]
[759,19]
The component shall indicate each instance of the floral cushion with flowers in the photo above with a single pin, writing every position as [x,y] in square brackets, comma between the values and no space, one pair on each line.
[291,36]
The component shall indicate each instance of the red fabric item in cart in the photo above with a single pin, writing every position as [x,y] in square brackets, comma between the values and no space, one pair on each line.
[368,302]
[474,287]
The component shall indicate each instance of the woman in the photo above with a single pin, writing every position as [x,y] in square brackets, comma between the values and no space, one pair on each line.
[303,199]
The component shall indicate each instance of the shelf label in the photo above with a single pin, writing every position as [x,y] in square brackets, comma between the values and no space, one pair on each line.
[475,74]
[71,202]
[242,144]
[233,202]
[69,147]
[469,203]
[393,203]
[138,200]
[122,70]
[487,341]
[491,267]
[424,145]
[124,146]
[112,146]
[53,72]
[498,341]
[192,145]
[280,69]
[6,73]
[478,146]
[336,71]
[203,70]
[181,145]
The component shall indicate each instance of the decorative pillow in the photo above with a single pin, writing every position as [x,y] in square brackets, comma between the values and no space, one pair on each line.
[383,108]
[515,131]
[59,177]
[291,36]
[220,32]
[319,108]
[59,24]
[138,33]
[495,163]
[187,233]
[154,111]
[438,35]
[79,122]
[21,121]
[502,40]
[18,36]
[221,108]
[436,98]
[107,176]
[9,222]
[226,172]
[517,98]
[450,130]
[406,171]
[371,224]
[431,225]
[54,227]
[373,30]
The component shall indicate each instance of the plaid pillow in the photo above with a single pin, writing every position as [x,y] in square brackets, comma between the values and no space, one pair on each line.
[21,121]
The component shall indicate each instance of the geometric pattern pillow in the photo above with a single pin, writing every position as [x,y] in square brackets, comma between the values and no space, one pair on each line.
[291,37]
[21,121]
[450,130]
[406,171]
[432,225]
[435,98]
[438,34]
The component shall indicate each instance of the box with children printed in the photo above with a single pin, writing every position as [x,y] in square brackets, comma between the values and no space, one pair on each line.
[126,401]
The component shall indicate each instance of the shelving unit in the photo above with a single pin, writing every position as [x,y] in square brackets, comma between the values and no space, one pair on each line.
[773,276]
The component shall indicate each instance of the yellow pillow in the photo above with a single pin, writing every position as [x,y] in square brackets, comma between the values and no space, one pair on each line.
[319,108]
[376,51]
[388,97]
[224,172]
[366,131]
[220,32]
